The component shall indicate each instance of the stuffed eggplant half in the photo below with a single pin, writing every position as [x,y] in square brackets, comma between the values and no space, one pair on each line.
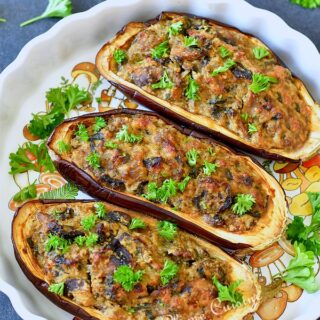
[216,79]
[142,161]
[99,261]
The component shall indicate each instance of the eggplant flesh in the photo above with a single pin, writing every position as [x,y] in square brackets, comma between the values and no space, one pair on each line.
[113,302]
[265,228]
[143,93]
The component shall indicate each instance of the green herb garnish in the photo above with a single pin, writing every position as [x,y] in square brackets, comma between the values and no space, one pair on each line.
[80,240]
[128,278]
[183,184]
[57,288]
[125,136]
[29,192]
[167,230]
[111,145]
[137,223]
[243,203]
[169,271]
[190,41]
[82,132]
[94,160]
[88,222]
[244,116]
[228,293]
[68,191]
[57,243]
[260,52]
[209,168]
[100,210]
[55,9]
[224,52]
[163,193]
[252,128]
[192,90]
[164,83]
[227,65]
[261,82]
[91,239]
[119,56]
[175,28]
[308,4]
[160,50]
[99,124]
[192,156]
[63,147]
[3,20]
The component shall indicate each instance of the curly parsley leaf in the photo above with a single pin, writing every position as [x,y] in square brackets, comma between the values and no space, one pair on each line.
[82,132]
[63,147]
[119,56]
[128,278]
[57,288]
[243,203]
[111,145]
[55,9]
[169,271]
[68,191]
[91,239]
[80,240]
[100,210]
[124,135]
[183,184]
[137,223]
[260,52]
[162,193]
[227,65]
[300,270]
[224,52]
[99,124]
[94,160]
[160,50]
[209,168]
[29,192]
[164,83]
[261,82]
[229,293]
[54,242]
[175,28]
[190,41]
[192,156]
[88,222]
[31,156]
[192,90]
[167,230]
[308,4]
[252,128]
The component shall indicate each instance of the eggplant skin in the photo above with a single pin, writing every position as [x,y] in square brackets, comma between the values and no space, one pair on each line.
[251,289]
[104,63]
[270,230]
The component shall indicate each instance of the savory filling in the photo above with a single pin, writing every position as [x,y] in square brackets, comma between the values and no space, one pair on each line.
[107,260]
[143,156]
[219,73]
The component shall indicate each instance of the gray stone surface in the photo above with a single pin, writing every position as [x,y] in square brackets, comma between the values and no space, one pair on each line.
[13,38]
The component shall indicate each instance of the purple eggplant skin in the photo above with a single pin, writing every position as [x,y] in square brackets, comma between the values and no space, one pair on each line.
[159,108]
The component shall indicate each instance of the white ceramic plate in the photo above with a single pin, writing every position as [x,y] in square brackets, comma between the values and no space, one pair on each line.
[45,59]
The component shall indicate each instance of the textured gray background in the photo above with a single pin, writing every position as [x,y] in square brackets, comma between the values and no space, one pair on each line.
[13,38]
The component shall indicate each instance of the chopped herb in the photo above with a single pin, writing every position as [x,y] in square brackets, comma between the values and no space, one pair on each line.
[227,65]
[94,160]
[164,83]
[119,56]
[162,193]
[125,136]
[244,116]
[228,293]
[98,100]
[260,52]
[88,222]
[209,168]
[192,90]
[63,147]
[91,239]
[308,4]
[175,28]
[131,310]
[68,191]
[56,243]
[192,156]
[252,128]
[125,276]
[111,145]
[3,20]
[82,132]
[31,156]
[100,210]
[167,230]
[137,223]
[160,50]
[99,124]
[55,9]
[169,271]
[211,151]
[224,52]
[300,270]
[243,203]
[261,82]
[57,288]
[80,240]
[29,192]
[190,41]
[183,184]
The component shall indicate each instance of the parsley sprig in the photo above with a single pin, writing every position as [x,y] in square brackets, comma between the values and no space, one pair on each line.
[261,82]
[161,50]
[94,160]
[183,184]
[164,83]
[54,242]
[167,230]
[209,168]
[119,56]
[167,190]
[100,210]
[57,288]
[190,41]
[252,128]
[88,222]
[227,65]
[82,132]
[192,156]
[229,293]
[192,90]
[175,28]
[128,278]
[243,203]
[29,192]
[63,147]
[308,4]
[99,124]
[169,271]
[124,135]
[137,223]
[260,52]
[224,52]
